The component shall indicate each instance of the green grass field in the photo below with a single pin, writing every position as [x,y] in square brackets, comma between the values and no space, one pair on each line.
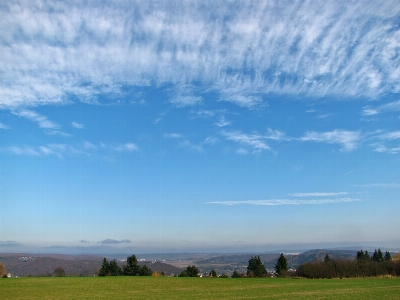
[196,288]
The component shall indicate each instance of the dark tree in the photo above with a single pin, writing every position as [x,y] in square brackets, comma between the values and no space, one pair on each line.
[281,264]
[236,274]
[190,271]
[387,256]
[132,268]
[105,268]
[256,267]
[115,270]
[213,273]
[377,256]
[59,272]
[360,255]
[327,259]
[145,271]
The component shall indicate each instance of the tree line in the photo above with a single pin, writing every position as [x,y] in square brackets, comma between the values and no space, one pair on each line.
[363,265]
[132,268]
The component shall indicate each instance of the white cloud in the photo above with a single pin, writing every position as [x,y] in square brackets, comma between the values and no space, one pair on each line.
[77,125]
[172,135]
[348,139]
[184,96]
[42,121]
[243,51]
[2,126]
[128,147]
[369,111]
[275,202]
[395,135]
[113,241]
[254,141]
[381,185]
[318,194]
[223,122]
[383,149]
[388,107]
[190,145]
[45,150]
[62,150]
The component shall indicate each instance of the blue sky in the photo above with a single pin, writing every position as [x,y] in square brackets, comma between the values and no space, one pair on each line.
[198,126]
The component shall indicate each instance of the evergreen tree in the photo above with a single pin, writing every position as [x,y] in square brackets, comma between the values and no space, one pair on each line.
[145,271]
[387,256]
[380,255]
[360,255]
[377,256]
[256,267]
[132,268]
[115,270]
[281,264]
[236,274]
[327,259]
[213,273]
[190,271]
[105,268]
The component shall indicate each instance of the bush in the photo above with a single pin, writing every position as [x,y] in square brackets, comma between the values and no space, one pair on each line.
[236,274]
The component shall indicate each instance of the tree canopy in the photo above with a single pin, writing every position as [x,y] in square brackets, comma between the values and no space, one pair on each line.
[281,264]
[59,272]
[131,269]
[256,267]
[190,271]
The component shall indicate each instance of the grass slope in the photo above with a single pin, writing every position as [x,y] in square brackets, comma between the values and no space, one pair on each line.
[196,288]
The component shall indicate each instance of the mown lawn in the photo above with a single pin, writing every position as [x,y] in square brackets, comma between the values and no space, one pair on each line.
[197,288]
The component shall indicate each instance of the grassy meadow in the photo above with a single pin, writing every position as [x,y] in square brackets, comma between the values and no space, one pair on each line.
[196,288]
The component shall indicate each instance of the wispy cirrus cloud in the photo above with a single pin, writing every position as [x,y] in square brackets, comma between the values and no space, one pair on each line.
[3,126]
[128,147]
[172,135]
[318,194]
[381,185]
[349,140]
[62,150]
[222,122]
[255,141]
[386,142]
[42,121]
[243,51]
[392,106]
[77,125]
[113,241]
[276,202]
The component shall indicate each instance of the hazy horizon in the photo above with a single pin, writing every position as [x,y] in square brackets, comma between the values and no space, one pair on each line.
[198,125]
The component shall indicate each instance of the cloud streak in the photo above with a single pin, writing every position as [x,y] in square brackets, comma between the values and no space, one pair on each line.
[347,139]
[112,241]
[62,150]
[278,202]
[317,194]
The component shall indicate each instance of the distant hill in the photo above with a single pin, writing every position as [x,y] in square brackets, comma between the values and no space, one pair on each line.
[74,265]
[228,263]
